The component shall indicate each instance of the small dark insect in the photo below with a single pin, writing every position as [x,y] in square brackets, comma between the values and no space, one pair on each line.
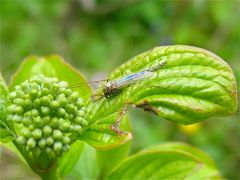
[114,87]
[111,90]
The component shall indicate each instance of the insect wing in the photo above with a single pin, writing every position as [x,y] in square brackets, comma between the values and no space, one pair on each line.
[133,78]
[76,85]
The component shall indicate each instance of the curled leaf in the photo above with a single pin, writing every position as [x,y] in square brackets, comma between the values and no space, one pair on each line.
[194,85]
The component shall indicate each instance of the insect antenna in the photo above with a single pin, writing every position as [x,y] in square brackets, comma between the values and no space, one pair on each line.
[155,68]
[76,85]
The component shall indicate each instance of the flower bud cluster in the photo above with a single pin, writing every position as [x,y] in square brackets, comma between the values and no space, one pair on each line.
[47,115]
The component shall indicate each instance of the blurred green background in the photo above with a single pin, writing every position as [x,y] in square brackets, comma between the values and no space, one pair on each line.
[97,35]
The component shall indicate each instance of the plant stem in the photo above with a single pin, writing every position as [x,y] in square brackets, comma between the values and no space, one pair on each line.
[51,175]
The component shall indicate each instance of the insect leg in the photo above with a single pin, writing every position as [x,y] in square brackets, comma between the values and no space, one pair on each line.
[115,126]
[93,97]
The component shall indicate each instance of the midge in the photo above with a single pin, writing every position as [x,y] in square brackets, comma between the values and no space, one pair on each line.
[114,87]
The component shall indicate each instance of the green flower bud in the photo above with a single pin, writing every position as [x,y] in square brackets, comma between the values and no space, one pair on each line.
[81,113]
[71,116]
[68,92]
[37,134]
[61,90]
[37,103]
[57,147]
[84,122]
[21,140]
[20,94]
[45,110]
[33,93]
[35,85]
[37,121]
[54,122]
[61,111]
[45,91]
[27,120]
[65,126]
[50,97]
[63,84]
[49,141]
[45,100]
[66,116]
[79,103]
[66,140]
[34,112]
[46,119]
[31,127]
[77,129]
[19,110]
[57,134]
[78,120]
[47,130]
[62,101]
[17,118]
[42,143]
[73,97]
[71,108]
[11,108]
[26,133]
[25,86]
[12,95]
[18,101]
[55,88]
[27,104]
[31,143]
[54,105]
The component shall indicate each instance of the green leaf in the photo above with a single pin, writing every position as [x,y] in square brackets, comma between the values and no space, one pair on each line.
[107,159]
[51,66]
[165,163]
[3,89]
[5,132]
[69,159]
[95,164]
[194,85]
[86,167]
[186,149]
[100,135]
[5,135]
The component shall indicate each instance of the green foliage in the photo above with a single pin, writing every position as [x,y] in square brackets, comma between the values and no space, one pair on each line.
[69,160]
[46,116]
[98,37]
[166,163]
[5,132]
[51,66]
[194,84]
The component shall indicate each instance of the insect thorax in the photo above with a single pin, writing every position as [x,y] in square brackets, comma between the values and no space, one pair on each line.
[111,90]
